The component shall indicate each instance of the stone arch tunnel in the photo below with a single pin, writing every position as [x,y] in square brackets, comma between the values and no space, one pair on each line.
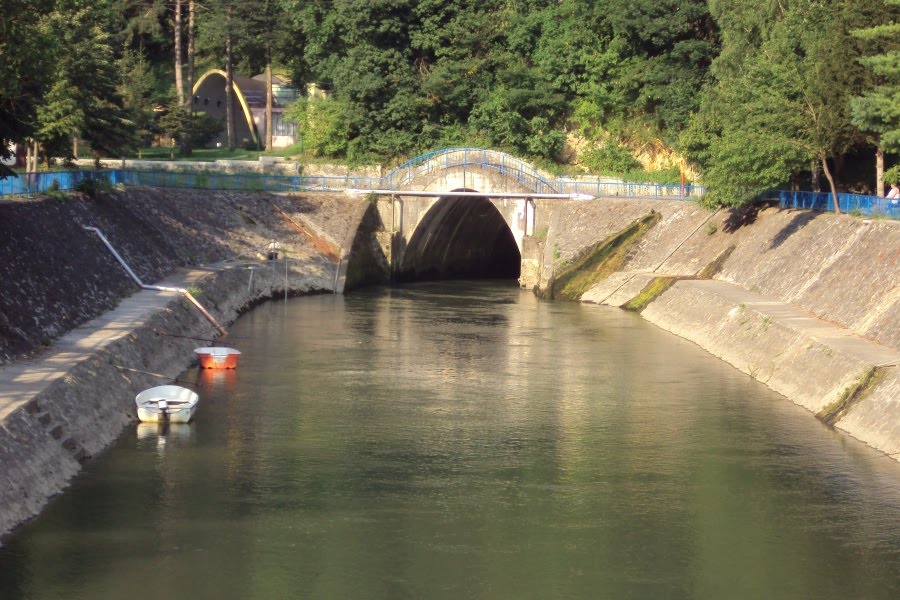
[422,230]
[460,238]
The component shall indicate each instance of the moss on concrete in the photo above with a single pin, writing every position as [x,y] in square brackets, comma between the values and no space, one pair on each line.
[651,292]
[601,261]
[833,413]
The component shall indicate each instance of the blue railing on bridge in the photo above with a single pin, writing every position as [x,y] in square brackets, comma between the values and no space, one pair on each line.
[662,191]
[465,157]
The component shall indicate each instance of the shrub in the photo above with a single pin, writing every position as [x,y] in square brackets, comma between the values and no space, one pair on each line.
[610,158]
[204,129]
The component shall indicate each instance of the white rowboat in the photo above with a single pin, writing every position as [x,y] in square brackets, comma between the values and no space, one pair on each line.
[166,403]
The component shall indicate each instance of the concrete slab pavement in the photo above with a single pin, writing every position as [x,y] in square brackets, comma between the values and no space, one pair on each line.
[22,381]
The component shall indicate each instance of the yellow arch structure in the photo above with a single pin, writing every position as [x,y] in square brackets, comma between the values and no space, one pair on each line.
[240,96]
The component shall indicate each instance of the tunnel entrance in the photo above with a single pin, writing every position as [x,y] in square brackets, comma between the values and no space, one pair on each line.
[461,238]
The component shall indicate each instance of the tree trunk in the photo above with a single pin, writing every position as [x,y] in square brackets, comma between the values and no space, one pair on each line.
[816,177]
[186,138]
[879,170]
[229,81]
[179,80]
[31,159]
[269,101]
[190,53]
[28,156]
[834,194]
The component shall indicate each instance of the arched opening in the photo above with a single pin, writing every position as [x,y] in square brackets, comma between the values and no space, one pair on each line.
[461,238]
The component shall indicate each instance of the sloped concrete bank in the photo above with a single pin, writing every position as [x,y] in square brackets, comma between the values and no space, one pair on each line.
[65,403]
[44,440]
[807,303]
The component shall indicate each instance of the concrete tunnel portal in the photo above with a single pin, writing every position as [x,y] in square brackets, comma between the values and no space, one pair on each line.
[461,238]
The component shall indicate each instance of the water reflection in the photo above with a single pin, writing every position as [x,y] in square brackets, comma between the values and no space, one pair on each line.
[162,433]
[448,441]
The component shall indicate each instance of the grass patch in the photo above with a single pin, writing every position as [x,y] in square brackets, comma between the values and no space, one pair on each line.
[601,261]
[200,154]
[833,413]
[713,268]
[651,292]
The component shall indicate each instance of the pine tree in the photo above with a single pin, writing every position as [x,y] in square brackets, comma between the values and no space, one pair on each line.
[84,98]
[877,110]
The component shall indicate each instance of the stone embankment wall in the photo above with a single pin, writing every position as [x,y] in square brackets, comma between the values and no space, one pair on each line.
[56,276]
[808,303]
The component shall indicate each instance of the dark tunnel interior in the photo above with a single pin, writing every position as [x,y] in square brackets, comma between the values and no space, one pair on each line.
[461,238]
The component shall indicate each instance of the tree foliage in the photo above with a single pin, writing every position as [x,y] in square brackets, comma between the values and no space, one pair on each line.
[779,102]
[753,94]
[877,109]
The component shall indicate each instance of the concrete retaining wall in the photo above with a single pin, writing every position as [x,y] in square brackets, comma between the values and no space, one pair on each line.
[43,442]
[58,277]
[804,302]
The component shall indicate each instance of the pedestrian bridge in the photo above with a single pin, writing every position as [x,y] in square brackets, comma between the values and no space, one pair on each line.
[459,213]
[468,213]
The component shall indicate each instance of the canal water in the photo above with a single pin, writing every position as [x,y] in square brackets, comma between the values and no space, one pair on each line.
[469,441]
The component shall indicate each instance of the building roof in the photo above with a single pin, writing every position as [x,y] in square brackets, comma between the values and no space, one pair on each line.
[253,90]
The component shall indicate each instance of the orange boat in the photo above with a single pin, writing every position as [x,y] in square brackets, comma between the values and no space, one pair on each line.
[218,358]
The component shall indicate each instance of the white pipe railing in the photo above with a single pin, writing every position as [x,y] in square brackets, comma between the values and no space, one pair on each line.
[185,293]
[573,196]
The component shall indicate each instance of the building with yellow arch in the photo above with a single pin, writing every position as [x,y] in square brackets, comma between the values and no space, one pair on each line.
[249,108]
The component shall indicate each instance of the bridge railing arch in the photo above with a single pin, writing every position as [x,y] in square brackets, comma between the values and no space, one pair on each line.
[447,158]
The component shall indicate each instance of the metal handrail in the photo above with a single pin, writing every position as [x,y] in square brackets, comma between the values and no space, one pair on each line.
[397,179]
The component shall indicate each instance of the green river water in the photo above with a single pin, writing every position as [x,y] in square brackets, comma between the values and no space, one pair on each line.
[467,440]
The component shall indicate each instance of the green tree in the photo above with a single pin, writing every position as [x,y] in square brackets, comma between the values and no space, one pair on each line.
[137,89]
[777,106]
[324,127]
[84,98]
[26,68]
[667,47]
[877,110]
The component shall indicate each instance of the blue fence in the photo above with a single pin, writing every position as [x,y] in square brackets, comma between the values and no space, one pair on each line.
[36,183]
[850,203]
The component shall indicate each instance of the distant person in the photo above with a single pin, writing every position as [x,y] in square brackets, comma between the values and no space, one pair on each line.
[894,194]
[272,250]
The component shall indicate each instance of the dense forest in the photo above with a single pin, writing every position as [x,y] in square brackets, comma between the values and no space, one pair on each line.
[745,96]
